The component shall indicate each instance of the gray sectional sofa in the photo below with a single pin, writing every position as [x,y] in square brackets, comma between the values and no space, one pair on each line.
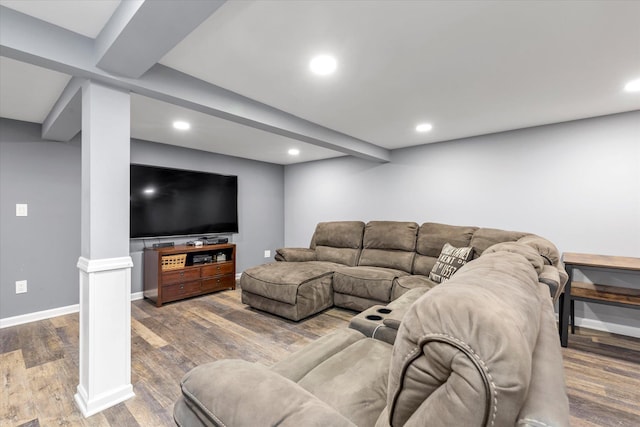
[355,265]
[480,349]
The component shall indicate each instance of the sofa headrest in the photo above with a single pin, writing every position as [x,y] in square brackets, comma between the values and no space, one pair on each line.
[393,235]
[339,234]
[471,337]
[432,237]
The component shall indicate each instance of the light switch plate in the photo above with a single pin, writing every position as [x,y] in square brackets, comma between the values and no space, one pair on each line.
[21,286]
[267,254]
[21,209]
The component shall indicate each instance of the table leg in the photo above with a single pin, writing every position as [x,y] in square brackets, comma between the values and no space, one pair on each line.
[565,311]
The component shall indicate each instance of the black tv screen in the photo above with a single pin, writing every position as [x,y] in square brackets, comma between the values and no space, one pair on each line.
[176,202]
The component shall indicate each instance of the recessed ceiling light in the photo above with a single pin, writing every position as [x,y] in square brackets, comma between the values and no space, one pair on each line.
[149,190]
[180,125]
[323,65]
[633,86]
[424,127]
[293,152]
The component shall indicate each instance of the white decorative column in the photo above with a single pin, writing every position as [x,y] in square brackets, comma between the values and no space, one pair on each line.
[105,264]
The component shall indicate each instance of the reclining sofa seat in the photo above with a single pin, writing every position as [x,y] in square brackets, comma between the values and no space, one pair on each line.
[388,250]
[299,289]
[354,266]
[479,350]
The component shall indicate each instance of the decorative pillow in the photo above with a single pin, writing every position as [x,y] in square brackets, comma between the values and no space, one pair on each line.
[449,261]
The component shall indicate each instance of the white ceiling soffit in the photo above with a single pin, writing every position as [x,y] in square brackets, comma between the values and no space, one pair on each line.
[86,17]
[468,67]
[28,92]
[152,120]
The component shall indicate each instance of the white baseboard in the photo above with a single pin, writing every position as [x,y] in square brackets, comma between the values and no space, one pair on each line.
[613,328]
[48,314]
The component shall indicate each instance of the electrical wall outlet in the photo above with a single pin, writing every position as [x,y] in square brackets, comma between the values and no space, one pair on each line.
[21,286]
[267,254]
[21,209]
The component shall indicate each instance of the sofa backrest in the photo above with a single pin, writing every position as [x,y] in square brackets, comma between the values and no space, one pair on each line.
[432,237]
[389,244]
[338,241]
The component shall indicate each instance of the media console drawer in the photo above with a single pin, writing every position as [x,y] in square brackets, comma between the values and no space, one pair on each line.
[217,269]
[180,276]
[162,286]
[218,283]
[180,290]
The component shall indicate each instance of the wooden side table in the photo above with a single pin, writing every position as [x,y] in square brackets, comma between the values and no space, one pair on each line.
[601,294]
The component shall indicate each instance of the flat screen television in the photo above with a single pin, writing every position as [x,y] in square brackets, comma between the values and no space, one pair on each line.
[175,202]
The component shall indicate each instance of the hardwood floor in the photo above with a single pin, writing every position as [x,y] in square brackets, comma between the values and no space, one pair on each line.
[39,362]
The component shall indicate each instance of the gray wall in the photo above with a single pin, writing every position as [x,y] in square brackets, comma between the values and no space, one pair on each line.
[576,183]
[44,247]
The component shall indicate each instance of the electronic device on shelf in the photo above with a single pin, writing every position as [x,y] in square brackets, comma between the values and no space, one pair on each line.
[163,245]
[202,258]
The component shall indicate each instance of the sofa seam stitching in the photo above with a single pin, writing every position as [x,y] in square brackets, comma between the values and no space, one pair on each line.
[201,405]
[475,355]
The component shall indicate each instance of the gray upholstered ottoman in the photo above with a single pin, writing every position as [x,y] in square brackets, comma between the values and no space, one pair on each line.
[289,289]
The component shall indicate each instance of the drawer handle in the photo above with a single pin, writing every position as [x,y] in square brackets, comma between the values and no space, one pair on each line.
[182,286]
[182,274]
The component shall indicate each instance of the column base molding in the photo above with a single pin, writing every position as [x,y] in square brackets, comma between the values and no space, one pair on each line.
[105,333]
[101,402]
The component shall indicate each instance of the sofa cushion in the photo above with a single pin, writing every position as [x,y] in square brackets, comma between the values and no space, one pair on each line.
[366,282]
[389,244]
[432,237]
[485,237]
[353,381]
[344,256]
[402,285]
[449,261]
[338,241]
[298,364]
[237,393]
[280,281]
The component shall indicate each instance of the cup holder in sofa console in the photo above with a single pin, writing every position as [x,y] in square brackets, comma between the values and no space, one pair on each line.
[384,310]
[374,317]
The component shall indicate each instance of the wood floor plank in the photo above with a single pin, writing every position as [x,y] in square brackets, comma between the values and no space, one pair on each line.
[9,339]
[16,405]
[146,409]
[146,334]
[39,343]
[53,396]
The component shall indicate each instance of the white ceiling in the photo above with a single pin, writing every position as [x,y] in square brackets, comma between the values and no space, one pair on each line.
[467,67]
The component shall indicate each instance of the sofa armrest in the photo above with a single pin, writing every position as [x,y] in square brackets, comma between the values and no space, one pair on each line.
[295,254]
[238,393]
[400,306]
[550,276]
[464,350]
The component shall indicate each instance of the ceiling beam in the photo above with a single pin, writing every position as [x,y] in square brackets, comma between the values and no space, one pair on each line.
[140,33]
[36,42]
[64,121]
